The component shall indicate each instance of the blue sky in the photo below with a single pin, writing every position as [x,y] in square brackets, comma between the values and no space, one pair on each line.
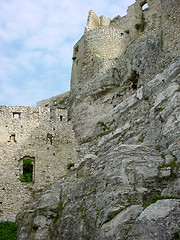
[36,42]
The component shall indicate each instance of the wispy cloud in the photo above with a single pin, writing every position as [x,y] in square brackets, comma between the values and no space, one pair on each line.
[36,40]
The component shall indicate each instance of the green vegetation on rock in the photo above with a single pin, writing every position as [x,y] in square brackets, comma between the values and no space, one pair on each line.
[27,175]
[8,230]
[69,165]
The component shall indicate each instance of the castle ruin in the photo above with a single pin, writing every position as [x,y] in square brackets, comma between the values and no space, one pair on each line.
[47,135]
[41,136]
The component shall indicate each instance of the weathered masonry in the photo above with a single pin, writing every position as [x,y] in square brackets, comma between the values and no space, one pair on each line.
[106,39]
[34,152]
[113,63]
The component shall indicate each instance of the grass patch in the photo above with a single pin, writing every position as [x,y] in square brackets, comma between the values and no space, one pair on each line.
[172,165]
[89,139]
[176,236]
[104,134]
[160,109]
[69,165]
[62,100]
[154,199]
[8,230]
[83,175]
[116,74]
[141,139]
[163,155]
[141,26]
[158,148]
[103,125]
[59,211]
[38,191]
[60,207]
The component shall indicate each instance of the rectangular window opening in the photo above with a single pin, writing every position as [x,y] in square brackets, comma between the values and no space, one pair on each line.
[27,175]
[49,139]
[12,138]
[16,115]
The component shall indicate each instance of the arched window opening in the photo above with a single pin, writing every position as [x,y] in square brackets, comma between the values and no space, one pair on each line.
[27,170]
[12,138]
[145,6]
[49,139]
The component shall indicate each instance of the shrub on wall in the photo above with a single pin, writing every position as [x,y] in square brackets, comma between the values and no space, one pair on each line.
[69,165]
[8,230]
[141,26]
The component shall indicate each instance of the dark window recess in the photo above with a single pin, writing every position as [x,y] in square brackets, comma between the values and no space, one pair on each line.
[12,138]
[133,79]
[16,115]
[35,228]
[27,175]
[61,117]
[154,16]
[49,138]
[76,50]
[144,6]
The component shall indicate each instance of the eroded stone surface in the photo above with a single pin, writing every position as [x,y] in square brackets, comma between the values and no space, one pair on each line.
[158,221]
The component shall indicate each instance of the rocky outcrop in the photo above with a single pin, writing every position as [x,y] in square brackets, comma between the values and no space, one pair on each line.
[160,220]
[126,185]
[100,200]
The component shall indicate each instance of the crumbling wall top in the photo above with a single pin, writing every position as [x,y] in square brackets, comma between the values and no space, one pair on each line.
[52,101]
[94,21]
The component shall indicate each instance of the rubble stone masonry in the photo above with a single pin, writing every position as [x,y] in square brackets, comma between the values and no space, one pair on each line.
[30,133]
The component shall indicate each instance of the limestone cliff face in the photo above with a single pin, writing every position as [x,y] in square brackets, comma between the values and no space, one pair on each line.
[125,113]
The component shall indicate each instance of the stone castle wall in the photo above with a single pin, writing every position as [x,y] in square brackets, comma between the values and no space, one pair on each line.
[108,39]
[30,133]
[94,21]
[53,101]
[171,23]
[102,43]
[150,9]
